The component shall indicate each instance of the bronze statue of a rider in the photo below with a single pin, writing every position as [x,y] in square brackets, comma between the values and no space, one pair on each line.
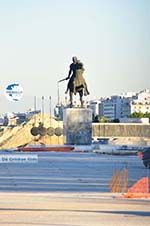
[76,81]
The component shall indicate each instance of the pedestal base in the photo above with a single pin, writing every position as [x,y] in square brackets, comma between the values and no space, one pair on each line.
[77,126]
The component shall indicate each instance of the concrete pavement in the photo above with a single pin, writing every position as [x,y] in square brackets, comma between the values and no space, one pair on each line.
[68,172]
[72,209]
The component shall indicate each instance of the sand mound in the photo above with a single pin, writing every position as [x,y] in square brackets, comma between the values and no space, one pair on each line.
[21,135]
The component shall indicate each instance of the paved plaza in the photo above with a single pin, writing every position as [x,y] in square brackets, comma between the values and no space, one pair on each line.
[72,209]
[69,172]
[70,189]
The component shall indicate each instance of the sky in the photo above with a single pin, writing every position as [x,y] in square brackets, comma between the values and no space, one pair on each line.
[39,37]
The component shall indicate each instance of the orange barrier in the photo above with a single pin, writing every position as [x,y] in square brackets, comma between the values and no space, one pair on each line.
[139,190]
[119,181]
[136,195]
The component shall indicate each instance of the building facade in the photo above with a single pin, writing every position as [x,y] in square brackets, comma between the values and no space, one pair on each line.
[141,103]
[115,107]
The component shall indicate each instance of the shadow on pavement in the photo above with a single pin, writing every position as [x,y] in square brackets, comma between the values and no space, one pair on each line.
[136,213]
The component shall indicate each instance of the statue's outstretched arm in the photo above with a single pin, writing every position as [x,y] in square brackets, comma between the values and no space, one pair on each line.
[70,71]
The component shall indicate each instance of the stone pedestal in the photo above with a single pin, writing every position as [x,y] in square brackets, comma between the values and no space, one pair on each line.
[77,126]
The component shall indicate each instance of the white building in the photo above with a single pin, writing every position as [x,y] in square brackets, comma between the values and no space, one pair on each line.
[129,94]
[144,96]
[139,107]
[141,103]
[95,106]
[117,107]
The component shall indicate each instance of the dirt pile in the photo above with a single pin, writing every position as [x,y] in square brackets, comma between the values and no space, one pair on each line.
[21,135]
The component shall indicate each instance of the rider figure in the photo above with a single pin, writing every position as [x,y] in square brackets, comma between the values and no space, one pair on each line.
[71,76]
[72,73]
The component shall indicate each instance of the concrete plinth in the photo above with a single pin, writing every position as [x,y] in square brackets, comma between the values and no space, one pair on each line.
[77,126]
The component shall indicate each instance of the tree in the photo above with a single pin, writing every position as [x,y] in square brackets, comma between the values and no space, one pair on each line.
[136,115]
[102,119]
[140,115]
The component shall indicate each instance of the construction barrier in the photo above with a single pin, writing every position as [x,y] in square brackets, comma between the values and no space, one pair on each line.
[119,181]
[139,190]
